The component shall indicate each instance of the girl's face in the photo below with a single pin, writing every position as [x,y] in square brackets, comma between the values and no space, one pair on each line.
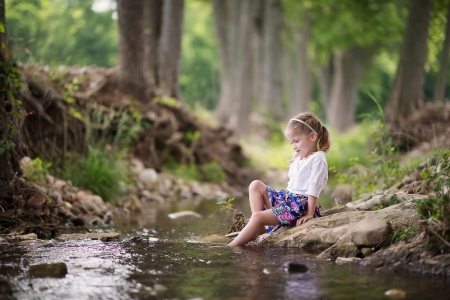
[303,144]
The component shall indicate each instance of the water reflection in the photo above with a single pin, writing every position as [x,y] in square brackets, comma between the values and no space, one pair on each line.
[154,261]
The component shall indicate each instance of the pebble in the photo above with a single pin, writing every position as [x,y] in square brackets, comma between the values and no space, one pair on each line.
[347,260]
[395,293]
[29,236]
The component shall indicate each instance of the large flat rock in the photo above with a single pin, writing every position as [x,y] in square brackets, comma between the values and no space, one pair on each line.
[330,229]
[105,236]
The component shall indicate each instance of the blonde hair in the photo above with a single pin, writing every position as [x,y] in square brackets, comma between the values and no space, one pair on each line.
[323,135]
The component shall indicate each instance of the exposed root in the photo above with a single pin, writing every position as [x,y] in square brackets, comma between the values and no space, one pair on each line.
[239,221]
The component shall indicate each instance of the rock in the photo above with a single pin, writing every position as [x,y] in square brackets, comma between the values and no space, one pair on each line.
[137,166]
[199,189]
[56,197]
[104,237]
[328,230]
[132,203]
[342,194]
[88,206]
[294,267]
[95,221]
[3,241]
[147,195]
[29,236]
[212,239]
[96,200]
[220,195]
[77,221]
[58,270]
[314,246]
[347,260]
[185,192]
[336,210]
[148,176]
[367,251]
[441,167]
[387,199]
[395,293]
[108,218]
[232,234]
[344,249]
[67,204]
[59,184]
[369,232]
[183,214]
[416,176]
[363,198]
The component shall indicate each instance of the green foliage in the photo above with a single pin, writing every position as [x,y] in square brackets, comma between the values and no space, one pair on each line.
[226,205]
[404,233]
[61,32]
[199,78]
[37,170]
[5,145]
[107,126]
[210,172]
[169,102]
[99,171]
[385,157]
[436,209]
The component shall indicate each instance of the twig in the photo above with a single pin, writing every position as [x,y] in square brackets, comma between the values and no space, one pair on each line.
[429,230]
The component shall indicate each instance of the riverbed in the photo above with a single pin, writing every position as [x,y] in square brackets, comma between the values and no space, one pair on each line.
[156,259]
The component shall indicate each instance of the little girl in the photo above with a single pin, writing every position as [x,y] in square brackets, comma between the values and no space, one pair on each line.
[308,174]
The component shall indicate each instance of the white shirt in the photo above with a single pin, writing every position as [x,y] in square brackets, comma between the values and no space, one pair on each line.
[309,176]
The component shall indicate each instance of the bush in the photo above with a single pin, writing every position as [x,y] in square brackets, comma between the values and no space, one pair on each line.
[99,171]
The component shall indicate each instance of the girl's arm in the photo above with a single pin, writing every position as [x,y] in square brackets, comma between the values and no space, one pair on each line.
[312,201]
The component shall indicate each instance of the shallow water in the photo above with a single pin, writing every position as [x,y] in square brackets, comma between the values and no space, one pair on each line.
[155,261]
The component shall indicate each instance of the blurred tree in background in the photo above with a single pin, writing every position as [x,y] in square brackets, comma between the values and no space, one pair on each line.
[328,56]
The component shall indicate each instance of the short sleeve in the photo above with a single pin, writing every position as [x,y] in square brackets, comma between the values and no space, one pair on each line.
[319,176]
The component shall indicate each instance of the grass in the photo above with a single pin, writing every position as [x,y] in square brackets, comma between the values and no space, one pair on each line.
[99,171]
[210,172]
[276,152]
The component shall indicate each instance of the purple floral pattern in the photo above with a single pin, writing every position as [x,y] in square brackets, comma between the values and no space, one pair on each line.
[288,207]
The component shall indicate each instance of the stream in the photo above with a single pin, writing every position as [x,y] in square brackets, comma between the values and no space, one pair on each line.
[155,260]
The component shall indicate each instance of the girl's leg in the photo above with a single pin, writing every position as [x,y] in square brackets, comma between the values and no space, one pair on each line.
[258,197]
[255,227]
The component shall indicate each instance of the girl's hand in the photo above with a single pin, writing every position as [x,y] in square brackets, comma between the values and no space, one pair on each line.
[303,220]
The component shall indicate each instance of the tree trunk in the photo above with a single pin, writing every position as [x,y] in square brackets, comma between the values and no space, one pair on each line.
[407,91]
[131,65]
[297,74]
[271,82]
[170,48]
[439,89]
[234,22]
[149,47]
[325,75]
[153,14]
[348,66]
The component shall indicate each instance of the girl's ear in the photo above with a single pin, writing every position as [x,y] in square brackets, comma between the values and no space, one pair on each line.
[313,136]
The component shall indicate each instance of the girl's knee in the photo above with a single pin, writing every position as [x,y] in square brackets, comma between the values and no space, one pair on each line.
[256,185]
[257,217]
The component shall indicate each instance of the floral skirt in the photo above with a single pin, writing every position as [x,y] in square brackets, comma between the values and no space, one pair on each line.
[288,207]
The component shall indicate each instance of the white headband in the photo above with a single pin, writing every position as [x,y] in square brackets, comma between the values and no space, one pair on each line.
[304,123]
